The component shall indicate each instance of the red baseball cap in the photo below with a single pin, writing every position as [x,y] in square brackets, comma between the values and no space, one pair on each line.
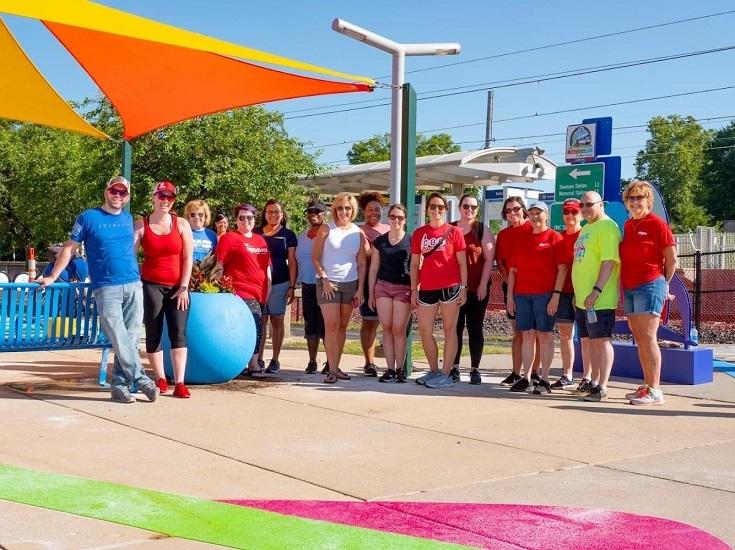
[165,186]
[572,204]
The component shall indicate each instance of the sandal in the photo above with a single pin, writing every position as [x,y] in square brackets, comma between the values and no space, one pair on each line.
[255,373]
[330,378]
[342,376]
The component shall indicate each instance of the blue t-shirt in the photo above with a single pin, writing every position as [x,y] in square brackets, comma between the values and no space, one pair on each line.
[109,240]
[76,270]
[204,241]
[307,274]
[278,245]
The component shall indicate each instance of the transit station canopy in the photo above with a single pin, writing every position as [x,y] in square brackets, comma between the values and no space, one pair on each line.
[485,167]
[155,74]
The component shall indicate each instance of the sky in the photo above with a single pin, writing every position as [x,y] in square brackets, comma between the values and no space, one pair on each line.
[302,30]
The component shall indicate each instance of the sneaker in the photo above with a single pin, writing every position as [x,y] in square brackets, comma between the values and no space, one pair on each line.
[584,387]
[475,377]
[311,368]
[597,394]
[511,379]
[564,383]
[370,370]
[325,369]
[273,367]
[640,392]
[651,397]
[428,376]
[162,385]
[261,364]
[535,378]
[440,381]
[151,391]
[520,385]
[454,374]
[541,387]
[400,376]
[180,390]
[120,395]
[388,376]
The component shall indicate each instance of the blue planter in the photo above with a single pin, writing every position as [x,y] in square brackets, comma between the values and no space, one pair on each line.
[220,336]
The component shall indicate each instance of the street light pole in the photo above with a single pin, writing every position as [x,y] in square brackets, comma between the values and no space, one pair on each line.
[399,53]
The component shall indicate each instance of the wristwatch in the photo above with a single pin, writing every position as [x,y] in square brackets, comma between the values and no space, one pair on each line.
[463,287]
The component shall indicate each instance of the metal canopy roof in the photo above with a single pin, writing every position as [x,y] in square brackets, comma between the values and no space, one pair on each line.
[493,166]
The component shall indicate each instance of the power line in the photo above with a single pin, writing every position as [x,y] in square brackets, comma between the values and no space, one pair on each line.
[567,42]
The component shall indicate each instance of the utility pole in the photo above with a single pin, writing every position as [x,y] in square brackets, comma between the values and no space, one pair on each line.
[489,121]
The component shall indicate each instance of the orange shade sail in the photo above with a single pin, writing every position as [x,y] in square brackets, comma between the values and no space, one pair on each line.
[153,85]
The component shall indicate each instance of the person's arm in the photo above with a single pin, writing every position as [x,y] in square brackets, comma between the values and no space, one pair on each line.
[510,304]
[488,253]
[268,283]
[293,272]
[62,260]
[217,271]
[671,262]
[138,230]
[317,249]
[606,269]
[415,266]
[372,278]
[561,275]
[361,269]
[462,261]
[182,294]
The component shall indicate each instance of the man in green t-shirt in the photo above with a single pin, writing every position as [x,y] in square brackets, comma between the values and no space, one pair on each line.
[596,278]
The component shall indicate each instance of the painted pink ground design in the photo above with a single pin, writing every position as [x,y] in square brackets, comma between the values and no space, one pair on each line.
[504,526]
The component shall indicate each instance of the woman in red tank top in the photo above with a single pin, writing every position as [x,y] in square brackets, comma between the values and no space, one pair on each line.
[167,245]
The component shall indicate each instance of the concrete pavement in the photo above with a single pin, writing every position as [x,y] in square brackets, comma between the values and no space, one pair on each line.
[293,437]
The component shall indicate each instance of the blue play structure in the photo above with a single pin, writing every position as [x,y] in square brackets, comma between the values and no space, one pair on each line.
[688,364]
[220,337]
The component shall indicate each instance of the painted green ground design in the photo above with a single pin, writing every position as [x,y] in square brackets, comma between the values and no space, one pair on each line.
[189,517]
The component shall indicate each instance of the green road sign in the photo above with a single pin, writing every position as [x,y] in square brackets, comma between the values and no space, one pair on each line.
[557,221]
[574,180]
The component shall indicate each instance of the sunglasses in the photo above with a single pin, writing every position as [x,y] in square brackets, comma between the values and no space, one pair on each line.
[117,192]
[395,218]
[472,207]
[165,196]
[568,212]
[344,209]
[636,198]
[249,218]
[515,209]
[196,214]
[313,211]
[589,204]
[439,207]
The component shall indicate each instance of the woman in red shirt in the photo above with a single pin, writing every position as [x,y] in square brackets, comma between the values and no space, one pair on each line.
[535,282]
[647,264]
[167,245]
[438,284]
[244,256]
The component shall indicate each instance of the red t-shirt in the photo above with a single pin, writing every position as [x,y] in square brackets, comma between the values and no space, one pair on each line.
[440,269]
[246,260]
[507,241]
[162,263]
[642,250]
[535,259]
[565,255]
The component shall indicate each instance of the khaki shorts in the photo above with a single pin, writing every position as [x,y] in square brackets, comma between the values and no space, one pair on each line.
[344,293]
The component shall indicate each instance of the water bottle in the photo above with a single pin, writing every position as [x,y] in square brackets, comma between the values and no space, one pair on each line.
[694,335]
[591,316]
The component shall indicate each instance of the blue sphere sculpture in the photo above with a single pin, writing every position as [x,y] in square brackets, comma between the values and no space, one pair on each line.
[220,337]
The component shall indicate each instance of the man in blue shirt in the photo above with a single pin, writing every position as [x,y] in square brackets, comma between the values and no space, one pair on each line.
[107,232]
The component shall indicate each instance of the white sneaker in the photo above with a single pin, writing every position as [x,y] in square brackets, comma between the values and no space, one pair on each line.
[637,393]
[651,397]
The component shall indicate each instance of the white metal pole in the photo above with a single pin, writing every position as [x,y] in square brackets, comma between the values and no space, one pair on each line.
[395,127]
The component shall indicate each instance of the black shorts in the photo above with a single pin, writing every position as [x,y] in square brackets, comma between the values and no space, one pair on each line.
[603,328]
[565,312]
[442,295]
[505,301]
[313,320]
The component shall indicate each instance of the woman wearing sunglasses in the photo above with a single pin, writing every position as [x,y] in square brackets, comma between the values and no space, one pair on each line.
[438,284]
[514,213]
[480,254]
[389,286]
[647,265]
[167,245]
[199,215]
[244,256]
[338,255]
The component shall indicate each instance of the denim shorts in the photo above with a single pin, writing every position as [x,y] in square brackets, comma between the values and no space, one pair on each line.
[565,311]
[276,304]
[648,298]
[603,328]
[531,312]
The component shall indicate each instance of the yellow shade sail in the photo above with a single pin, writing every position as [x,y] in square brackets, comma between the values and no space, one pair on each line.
[26,96]
[92,16]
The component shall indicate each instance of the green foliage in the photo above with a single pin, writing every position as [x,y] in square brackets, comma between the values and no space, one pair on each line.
[378,147]
[719,178]
[48,176]
[674,159]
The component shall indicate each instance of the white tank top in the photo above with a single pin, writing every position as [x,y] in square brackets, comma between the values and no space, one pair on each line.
[339,256]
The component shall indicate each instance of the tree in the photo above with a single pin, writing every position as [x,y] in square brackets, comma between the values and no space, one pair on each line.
[674,160]
[378,147]
[719,177]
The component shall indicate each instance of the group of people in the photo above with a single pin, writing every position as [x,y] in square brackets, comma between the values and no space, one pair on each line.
[570,278]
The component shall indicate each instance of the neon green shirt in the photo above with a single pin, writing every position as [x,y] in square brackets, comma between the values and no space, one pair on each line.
[597,242]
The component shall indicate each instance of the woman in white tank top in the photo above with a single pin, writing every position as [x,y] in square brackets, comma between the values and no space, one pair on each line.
[338,256]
